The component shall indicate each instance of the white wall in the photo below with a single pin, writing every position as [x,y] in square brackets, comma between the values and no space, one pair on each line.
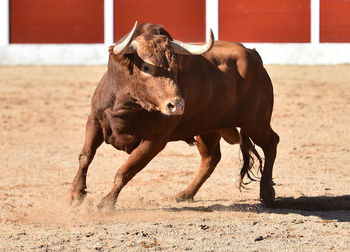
[96,54]
[4,22]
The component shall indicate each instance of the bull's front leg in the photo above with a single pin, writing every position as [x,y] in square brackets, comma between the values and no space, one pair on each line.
[93,139]
[137,160]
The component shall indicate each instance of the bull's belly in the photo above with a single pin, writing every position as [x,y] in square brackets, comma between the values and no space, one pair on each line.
[196,128]
[208,117]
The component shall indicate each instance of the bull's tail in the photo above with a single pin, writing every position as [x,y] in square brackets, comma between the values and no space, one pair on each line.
[248,150]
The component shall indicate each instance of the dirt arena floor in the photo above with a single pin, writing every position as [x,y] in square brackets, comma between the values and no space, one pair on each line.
[43,111]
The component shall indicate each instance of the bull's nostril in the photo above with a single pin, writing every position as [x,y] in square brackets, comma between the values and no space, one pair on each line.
[171,107]
[174,107]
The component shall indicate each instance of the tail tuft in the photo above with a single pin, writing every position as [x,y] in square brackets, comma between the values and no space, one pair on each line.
[248,149]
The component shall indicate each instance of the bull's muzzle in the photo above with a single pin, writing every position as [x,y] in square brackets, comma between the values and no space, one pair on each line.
[174,107]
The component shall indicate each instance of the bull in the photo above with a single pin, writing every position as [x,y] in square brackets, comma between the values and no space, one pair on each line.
[157,89]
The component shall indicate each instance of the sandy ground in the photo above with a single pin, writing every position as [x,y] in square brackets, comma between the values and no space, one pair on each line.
[43,111]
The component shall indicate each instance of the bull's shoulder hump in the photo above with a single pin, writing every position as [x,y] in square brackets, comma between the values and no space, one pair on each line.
[224,51]
[220,44]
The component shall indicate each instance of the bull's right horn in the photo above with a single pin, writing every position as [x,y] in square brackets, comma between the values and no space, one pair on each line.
[124,46]
[188,49]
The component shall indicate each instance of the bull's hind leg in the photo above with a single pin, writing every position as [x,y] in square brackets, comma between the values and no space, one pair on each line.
[267,193]
[209,149]
[93,139]
[230,135]
[268,140]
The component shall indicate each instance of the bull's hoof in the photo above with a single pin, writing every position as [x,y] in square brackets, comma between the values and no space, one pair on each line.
[106,204]
[183,196]
[267,197]
[76,197]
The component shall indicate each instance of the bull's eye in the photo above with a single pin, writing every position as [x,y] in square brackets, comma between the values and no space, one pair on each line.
[146,69]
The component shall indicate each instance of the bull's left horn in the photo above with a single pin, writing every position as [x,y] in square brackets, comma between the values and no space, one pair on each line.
[188,49]
[124,46]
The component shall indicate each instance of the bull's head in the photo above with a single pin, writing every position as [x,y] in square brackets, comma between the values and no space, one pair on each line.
[154,69]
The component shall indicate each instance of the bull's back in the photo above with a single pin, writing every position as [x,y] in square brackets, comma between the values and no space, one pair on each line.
[254,91]
[224,87]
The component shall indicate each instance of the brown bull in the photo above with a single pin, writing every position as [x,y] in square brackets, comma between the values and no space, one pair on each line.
[158,90]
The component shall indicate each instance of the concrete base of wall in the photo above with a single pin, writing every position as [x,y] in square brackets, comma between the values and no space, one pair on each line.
[97,54]
[303,54]
[53,54]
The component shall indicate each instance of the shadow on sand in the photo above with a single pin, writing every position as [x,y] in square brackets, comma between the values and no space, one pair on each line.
[321,206]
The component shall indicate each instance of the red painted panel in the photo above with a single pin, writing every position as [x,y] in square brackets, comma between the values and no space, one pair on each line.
[264,21]
[183,19]
[335,21]
[63,21]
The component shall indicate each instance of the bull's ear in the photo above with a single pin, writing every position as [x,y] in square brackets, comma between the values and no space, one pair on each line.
[123,47]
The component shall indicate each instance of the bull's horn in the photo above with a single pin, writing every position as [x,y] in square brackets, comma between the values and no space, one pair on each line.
[188,49]
[124,46]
